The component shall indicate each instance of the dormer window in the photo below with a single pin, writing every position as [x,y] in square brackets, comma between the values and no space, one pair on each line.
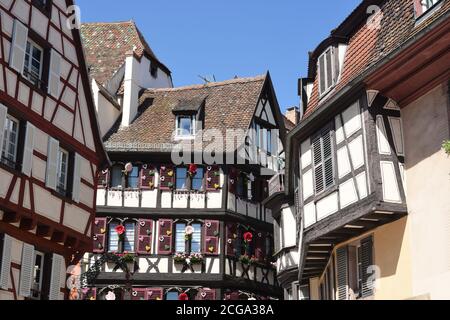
[185,126]
[423,6]
[328,69]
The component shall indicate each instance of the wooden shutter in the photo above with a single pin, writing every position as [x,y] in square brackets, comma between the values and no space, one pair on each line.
[328,160]
[211,237]
[366,260]
[76,179]
[18,46]
[167,177]
[155,293]
[55,279]
[318,166]
[206,294]
[342,273]
[147,179]
[165,235]
[5,262]
[213,178]
[231,238]
[99,235]
[145,233]
[54,77]
[138,294]
[26,270]
[322,79]
[103,179]
[3,113]
[52,164]
[27,163]
[260,246]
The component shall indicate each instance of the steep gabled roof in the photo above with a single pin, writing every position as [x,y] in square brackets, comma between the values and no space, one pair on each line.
[106,46]
[227,105]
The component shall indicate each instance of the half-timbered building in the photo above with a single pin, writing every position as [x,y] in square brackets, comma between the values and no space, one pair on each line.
[366,179]
[50,149]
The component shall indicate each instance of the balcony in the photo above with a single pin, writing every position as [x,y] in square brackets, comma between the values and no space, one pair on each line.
[276,184]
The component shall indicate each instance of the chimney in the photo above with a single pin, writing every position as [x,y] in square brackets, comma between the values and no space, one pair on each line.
[293,115]
[131,89]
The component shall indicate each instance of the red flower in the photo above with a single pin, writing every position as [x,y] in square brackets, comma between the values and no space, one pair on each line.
[193,169]
[248,237]
[120,230]
[183,297]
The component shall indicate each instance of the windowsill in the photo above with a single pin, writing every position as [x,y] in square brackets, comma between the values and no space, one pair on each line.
[10,169]
[178,138]
[38,88]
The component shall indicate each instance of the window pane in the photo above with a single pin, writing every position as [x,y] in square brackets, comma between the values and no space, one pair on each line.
[10,140]
[181,178]
[329,69]
[197,181]
[185,126]
[196,238]
[133,178]
[116,177]
[62,169]
[180,240]
[322,73]
[128,244]
[113,239]
[172,296]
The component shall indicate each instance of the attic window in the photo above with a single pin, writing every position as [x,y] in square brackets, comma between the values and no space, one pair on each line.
[185,126]
[153,69]
[328,67]
[423,6]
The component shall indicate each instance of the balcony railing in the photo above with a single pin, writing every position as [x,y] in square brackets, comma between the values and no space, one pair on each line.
[276,184]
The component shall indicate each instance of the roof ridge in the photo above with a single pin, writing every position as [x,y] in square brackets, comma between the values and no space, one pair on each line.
[110,22]
[209,85]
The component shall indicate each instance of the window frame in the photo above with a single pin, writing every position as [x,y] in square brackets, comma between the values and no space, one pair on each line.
[121,242]
[63,189]
[324,91]
[7,141]
[421,9]
[128,177]
[117,168]
[41,277]
[27,74]
[179,131]
[46,8]
[188,242]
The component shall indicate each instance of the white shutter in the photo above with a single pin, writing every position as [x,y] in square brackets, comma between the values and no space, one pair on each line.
[26,270]
[54,76]
[52,164]
[6,262]
[27,163]
[55,280]
[3,113]
[76,179]
[18,46]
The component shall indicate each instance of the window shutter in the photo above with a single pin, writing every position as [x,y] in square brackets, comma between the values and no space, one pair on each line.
[103,179]
[322,79]
[26,270]
[232,237]
[366,263]
[206,294]
[18,46]
[147,180]
[165,237]
[52,164]
[138,294]
[54,77]
[5,262]
[318,166]
[260,247]
[213,178]
[342,273]
[3,113]
[335,57]
[27,163]
[155,293]
[76,179]
[145,232]
[99,236]
[211,238]
[55,280]
[276,235]
[328,160]
[167,176]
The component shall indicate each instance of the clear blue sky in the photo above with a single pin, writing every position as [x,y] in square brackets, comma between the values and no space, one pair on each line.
[226,38]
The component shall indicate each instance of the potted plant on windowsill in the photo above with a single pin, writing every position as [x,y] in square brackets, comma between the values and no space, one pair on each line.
[180,258]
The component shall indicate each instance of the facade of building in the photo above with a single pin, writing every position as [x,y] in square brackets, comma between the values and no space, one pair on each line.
[366,176]
[50,149]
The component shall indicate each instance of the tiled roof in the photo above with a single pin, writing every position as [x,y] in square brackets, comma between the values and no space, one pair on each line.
[289,125]
[228,105]
[106,46]
[367,46]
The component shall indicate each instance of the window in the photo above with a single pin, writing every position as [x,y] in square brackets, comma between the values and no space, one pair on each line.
[10,142]
[181,177]
[186,244]
[43,4]
[125,243]
[116,177]
[303,292]
[38,270]
[197,180]
[34,56]
[323,162]
[133,178]
[242,186]
[263,138]
[185,126]
[63,165]
[422,6]
[172,296]
[153,69]
[327,70]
